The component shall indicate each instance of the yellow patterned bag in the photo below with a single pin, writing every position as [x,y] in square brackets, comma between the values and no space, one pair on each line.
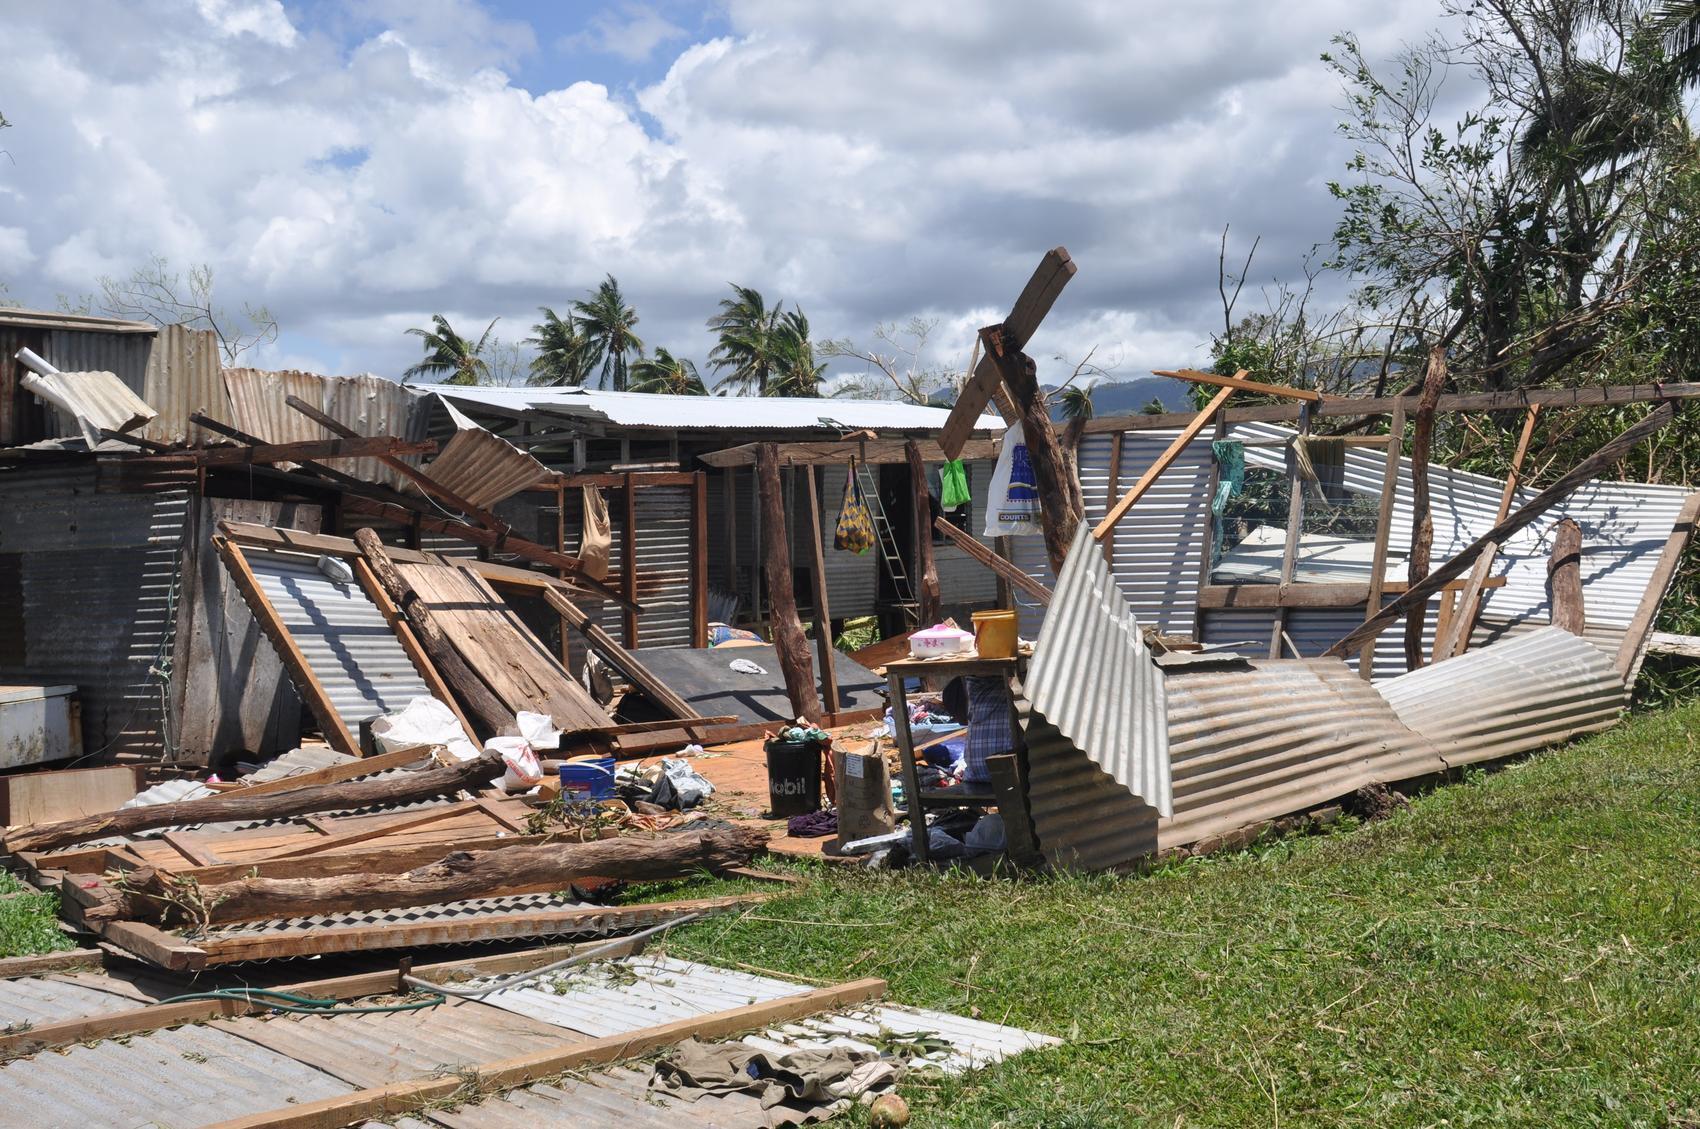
[855,530]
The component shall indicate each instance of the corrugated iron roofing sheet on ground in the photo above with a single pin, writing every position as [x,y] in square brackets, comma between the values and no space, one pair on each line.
[1084,819]
[1516,695]
[1092,677]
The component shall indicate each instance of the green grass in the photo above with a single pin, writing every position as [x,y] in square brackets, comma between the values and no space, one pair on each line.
[28,922]
[1520,948]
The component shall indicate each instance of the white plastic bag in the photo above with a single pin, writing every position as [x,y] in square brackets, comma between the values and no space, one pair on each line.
[424,721]
[524,771]
[538,730]
[680,785]
[1012,503]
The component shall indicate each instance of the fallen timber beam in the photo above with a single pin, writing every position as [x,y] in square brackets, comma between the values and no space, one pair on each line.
[1194,425]
[458,876]
[1239,383]
[399,1098]
[1336,407]
[468,687]
[407,788]
[619,658]
[1417,595]
[991,560]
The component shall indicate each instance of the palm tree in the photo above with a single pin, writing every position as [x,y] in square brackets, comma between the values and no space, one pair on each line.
[676,376]
[748,345]
[1075,402]
[448,352]
[560,356]
[605,323]
[797,372]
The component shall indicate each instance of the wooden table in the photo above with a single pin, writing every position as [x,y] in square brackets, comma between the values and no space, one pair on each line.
[1007,793]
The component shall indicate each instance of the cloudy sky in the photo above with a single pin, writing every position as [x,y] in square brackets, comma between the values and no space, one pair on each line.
[358,166]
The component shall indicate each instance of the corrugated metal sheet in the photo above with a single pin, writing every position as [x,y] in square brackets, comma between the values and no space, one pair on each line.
[60,319]
[193,1075]
[370,405]
[183,377]
[483,468]
[96,579]
[97,397]
[1084,819]
[77,350]
[342,634]
[1092,677]
[1519,694]
[696,413]
[1276,738]
[49,999]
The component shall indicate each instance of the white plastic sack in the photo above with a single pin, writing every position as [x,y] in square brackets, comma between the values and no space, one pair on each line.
[684,782]
[524,771]
[424,721]
[1012,504]
[538,730]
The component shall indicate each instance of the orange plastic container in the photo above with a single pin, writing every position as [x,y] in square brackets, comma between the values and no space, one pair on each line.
[994,634]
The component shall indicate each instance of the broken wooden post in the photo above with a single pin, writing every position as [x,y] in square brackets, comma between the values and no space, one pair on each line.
[1564,577]
[929,608]
[492,715]
[789,642]
[1137,491]
[1422,521]
[823,607]
[1383,528]
[1008,575]
[385,791]
[1059,507]
[1417,595]
[1470,609]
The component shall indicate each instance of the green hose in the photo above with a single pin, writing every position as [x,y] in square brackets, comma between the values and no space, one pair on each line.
[307,1005]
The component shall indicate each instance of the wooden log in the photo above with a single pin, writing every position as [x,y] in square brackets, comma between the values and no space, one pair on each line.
[478,698]
[1383,528]
[1418,594]
[823,604]
[1564,578]
[1164,461]
[1003,569]
[1059,505]
[618,657]
[929,607]
[788,639]
[1422,521]
[458,876]
[274,805]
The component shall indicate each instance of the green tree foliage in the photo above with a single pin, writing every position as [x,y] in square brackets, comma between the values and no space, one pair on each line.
[676,376]
[449,356]
[799,372]
[560,357]
[606,323]
[763,349]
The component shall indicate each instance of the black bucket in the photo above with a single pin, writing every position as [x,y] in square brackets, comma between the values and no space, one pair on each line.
[793,777]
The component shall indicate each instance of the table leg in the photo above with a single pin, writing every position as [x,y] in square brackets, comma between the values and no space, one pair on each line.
[911,778]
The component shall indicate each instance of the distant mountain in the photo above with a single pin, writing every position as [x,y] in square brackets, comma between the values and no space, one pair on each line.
[1119,397]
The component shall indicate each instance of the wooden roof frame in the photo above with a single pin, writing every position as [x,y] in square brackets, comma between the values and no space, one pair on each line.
[873,452]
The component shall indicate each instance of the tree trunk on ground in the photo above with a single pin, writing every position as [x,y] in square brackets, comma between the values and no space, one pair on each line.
[789,641]
[457,877]
[478,698]
[1564,577]
[929,606]
[1422,521]
[402,789]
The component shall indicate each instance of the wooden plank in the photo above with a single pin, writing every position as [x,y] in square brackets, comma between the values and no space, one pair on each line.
[823,607]
[629,560]
[1455,639]
[1610,453]
[1593,396]
[1020,842]
[873,452]
[1162,463]
[410,643]
[402,1097]
[43,797]
[1422,520]
[307,683]
[1383,530]
[929,606]
[1670,643]
[403,822]
[1113,489]
[1031,306]
[154,945]
[190,848]
[380,446]
[1004,569]
[1564,578]
[41,964]
[1241,384]
[914,809]
[1633,650]
[618,657]
[699,559]
[350,770]
[1471,608]
[1333,594]
[788,641]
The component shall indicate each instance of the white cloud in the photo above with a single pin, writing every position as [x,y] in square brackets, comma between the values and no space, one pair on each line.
[869,162]
[633,33]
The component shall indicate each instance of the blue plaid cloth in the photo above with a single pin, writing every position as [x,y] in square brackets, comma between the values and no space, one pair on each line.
[990,731]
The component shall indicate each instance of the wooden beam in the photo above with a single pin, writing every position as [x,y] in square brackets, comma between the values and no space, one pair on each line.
[399,1098]
[1616,449]
[874,452]
[405,788]
[929,607]
[1112,489]
[1003,569]
[699,559]
[1470,609]
[1295,527]
[1034,302]
[1240,384]
[1633,650]
[1422,521]
[823,607]
[628,559]
[491,713]
[1304,595]
[1383,530]
[1660,643]
[1060,509]
[1338,407]
[788,640]
[1456,637]
[361,447]
[307,683]
[1564,578]
[618,657]
[1164,461]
